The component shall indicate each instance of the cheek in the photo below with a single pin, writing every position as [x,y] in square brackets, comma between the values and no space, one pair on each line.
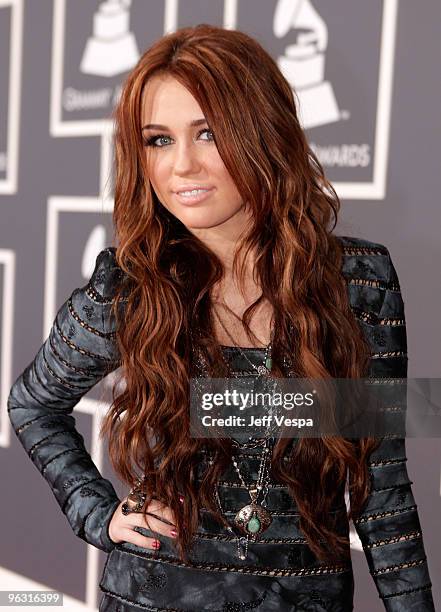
[229,188]
[213,161]
[158,175]
[223,177]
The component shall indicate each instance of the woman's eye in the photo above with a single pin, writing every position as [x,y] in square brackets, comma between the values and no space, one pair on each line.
[154,141]
[207,131]
[151,142]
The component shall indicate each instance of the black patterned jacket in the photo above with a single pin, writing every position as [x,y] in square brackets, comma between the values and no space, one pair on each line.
[280,572]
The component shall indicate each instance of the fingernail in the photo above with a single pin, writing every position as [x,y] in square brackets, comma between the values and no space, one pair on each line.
[156,544]
[173,533]
[181,499]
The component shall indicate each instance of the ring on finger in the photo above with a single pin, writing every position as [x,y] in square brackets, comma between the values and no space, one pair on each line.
[133,503]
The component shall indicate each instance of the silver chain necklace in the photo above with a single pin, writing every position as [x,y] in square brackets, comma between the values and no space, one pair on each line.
[253,518]
[262,369]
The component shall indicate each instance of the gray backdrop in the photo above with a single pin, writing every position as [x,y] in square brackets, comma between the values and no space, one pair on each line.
[370,94]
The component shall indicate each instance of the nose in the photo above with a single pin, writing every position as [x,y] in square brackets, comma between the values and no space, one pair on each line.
[186,159]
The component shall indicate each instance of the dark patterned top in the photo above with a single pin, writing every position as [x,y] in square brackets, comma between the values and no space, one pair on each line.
[280,572]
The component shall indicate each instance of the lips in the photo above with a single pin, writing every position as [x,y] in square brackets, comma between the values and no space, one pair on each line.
[193,195]
[191,187]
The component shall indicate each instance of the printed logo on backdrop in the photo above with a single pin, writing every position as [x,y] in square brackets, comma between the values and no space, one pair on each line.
[339,60]
[96,44]
[11,37]
[338,57]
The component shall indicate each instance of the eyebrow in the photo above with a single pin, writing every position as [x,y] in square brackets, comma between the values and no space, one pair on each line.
[158,126]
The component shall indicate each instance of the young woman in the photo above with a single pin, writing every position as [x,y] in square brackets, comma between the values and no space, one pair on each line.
[226,265]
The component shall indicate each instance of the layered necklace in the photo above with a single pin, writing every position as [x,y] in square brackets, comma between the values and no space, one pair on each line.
[253,518]
[263,369]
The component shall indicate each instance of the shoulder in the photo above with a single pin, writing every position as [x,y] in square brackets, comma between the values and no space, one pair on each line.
[367,261]
[370,275]
[106,276]
[91,305]
[356,245]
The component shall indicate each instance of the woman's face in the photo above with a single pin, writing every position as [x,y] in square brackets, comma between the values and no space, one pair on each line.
[182,156]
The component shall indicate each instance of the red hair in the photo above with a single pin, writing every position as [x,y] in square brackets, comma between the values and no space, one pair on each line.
[251,110]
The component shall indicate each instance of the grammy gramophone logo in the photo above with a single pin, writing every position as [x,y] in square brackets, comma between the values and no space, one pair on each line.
[303,63]
[112,48]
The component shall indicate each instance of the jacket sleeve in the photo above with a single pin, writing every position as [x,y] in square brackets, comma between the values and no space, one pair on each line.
[79,351]
[389,526]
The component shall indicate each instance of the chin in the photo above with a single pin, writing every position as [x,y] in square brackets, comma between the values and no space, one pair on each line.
[194,225]
[202,219]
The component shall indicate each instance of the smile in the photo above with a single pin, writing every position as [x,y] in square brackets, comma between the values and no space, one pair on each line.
[193,195]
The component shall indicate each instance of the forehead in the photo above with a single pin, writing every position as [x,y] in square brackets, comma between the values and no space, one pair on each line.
[165,100]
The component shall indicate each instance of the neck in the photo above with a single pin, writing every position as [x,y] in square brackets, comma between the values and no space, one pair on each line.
[224,239]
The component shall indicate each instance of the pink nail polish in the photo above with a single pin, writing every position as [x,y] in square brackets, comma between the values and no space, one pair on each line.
[173,533]
[156,544]
[181,499]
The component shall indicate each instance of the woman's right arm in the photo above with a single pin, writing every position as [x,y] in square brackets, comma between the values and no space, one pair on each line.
[79,351]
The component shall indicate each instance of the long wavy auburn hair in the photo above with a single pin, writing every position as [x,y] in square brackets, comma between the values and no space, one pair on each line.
[168,274]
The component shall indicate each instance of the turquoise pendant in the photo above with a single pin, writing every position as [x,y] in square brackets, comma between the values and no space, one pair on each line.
[268,363]
[253,525]
[253,519]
